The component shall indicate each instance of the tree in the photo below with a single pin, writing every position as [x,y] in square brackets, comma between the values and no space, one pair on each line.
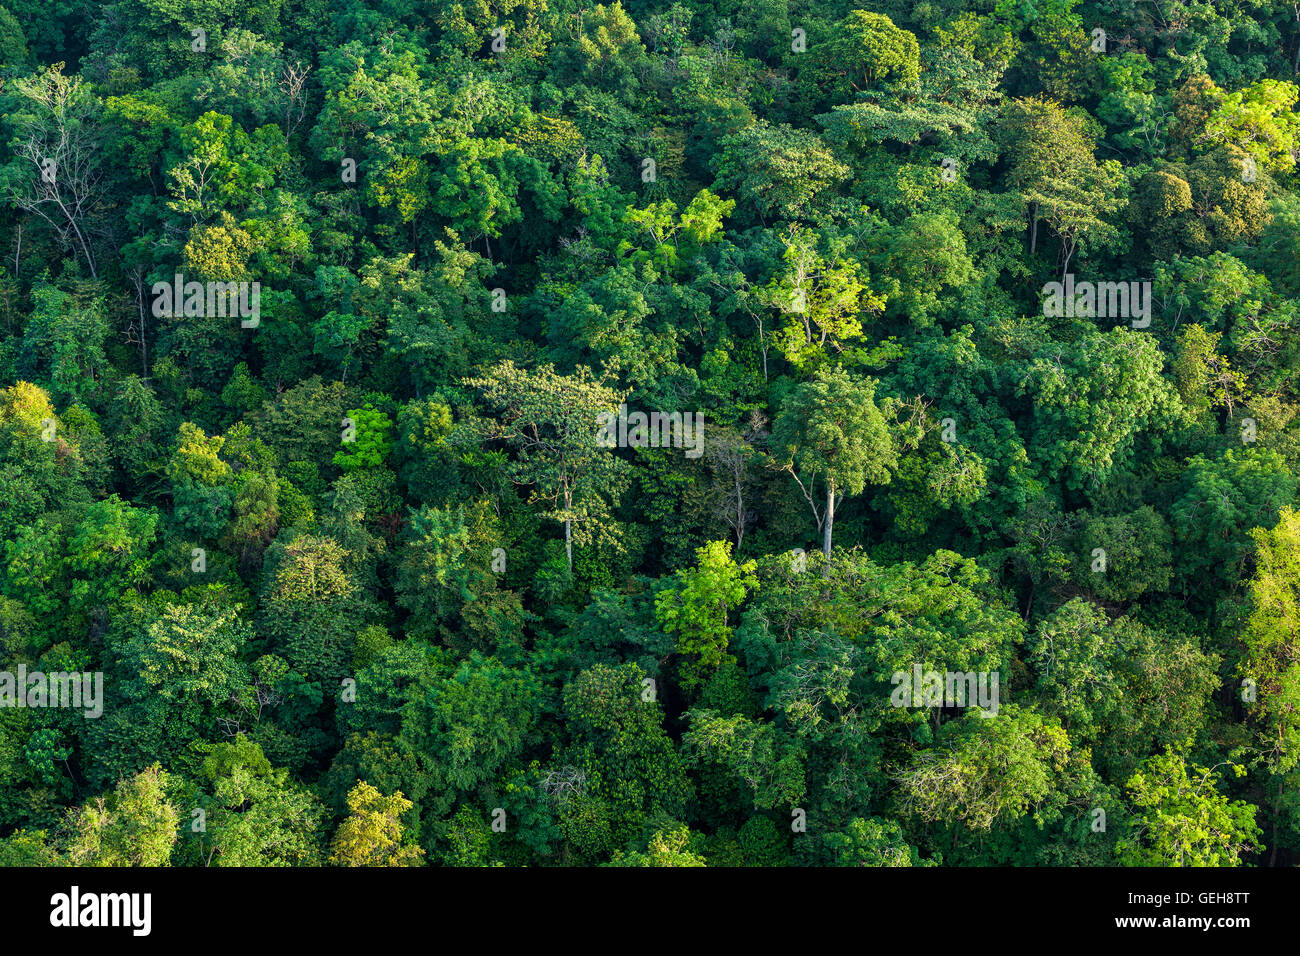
[777,170]
[1053,169]
[468,727]
[1230,205]
[873,842]
[1206,379]
[372,834]
[1270,661]
[731,485]
[255,815]
[1092,399]
[371,443]
[311,609]
[696,608]
[764,758]
[109,555]
[188,663]
[445,579]
[1219,502]
[631,767]
[552,423]
[39,475]
[822,298]
[924,254]
[1125,687]
[986,770]
[868,54]
[1182,820]
[68,333]
[478,188]
[667,848]
[1279,246]
[136,826]
[1259,119]
[1138,548]
[224,169]
[609,45]
[58,175]
[830,428]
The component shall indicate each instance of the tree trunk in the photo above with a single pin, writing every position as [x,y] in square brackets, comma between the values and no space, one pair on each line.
[1068,248]
[740,513]
[830,518]
[568,525]
[144,343]
[85,247]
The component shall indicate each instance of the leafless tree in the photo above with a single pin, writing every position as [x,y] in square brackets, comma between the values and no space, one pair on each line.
[728,460]
[261,696]
[293,81]
[564,783]
[136,330]
[59,147]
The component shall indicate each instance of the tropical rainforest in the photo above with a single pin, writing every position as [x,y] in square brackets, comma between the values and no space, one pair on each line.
[556,433]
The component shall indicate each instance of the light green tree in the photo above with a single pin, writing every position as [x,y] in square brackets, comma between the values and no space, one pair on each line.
[135,826]
[830,430]
[1181,819]
[372,834]
[696,607]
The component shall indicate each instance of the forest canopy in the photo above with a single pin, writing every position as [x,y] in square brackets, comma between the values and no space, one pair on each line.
[706,433]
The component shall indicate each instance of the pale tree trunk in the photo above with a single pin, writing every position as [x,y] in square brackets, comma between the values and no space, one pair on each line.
[830,518]
[1068,248]
[740,512]
[137,280]
[1295,68]
[568,528]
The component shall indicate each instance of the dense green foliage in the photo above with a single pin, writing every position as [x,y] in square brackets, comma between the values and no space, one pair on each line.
[379,567]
